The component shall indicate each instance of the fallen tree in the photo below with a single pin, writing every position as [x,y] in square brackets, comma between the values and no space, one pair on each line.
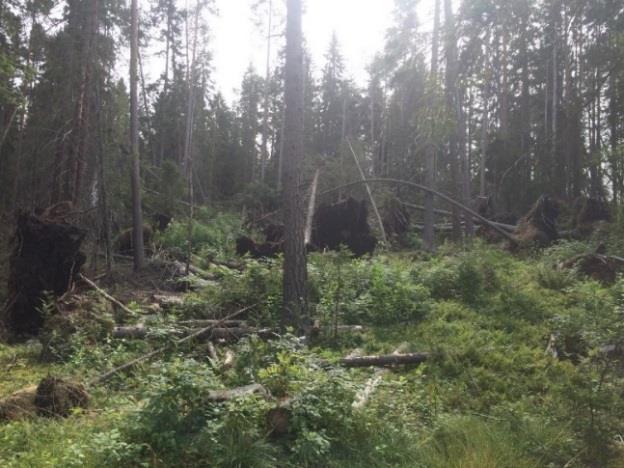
[146,357]
[426,189]
[384,360]
[45,262]
[212,332]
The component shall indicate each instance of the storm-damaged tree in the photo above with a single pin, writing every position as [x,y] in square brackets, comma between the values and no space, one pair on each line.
[295,262]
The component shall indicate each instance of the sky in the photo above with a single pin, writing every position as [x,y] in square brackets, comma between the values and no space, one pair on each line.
[360,26]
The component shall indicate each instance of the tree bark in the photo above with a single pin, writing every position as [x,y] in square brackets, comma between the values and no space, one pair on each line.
[295,262]
[430,163]
[138,249]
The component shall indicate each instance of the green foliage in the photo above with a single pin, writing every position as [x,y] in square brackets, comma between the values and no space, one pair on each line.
[212,235]
[489,395]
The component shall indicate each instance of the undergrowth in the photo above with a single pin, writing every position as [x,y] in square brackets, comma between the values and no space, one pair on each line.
[489,396]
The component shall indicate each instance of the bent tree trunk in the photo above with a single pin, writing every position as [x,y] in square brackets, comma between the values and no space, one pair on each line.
[444,197]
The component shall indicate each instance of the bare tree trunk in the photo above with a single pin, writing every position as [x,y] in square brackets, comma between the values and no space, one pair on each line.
[452,96]
[188,142]
[138,249]
[295,263]
[267,88]
[430,164]
[484,126]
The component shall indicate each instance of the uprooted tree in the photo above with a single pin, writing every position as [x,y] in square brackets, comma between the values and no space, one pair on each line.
[45,261]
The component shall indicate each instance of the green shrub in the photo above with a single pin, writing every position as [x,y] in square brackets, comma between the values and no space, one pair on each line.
[212,234]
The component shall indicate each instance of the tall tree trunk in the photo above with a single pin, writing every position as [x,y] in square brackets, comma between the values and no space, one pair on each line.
[138,248]
[430,163]
[485,122]
[188,141]
[453,104]
[295,263]
[267,88]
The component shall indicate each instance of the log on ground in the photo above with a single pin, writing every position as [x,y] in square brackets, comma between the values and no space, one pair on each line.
[385,360]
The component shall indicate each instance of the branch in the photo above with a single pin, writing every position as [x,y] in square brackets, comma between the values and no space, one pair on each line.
[105,294]
[146,357]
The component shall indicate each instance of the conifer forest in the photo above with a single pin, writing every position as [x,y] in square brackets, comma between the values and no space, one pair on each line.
[304,233]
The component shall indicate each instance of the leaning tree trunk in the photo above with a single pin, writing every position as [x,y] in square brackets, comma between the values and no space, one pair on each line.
[295,262]
[46,259]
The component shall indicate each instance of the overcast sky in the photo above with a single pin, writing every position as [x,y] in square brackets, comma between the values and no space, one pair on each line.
[359,24]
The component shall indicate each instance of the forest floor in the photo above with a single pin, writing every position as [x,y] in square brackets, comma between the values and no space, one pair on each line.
[490,395]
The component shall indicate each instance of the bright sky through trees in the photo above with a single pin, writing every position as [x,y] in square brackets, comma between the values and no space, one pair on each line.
[359,24]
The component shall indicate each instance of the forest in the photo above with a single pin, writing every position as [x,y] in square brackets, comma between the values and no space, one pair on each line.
[419,267]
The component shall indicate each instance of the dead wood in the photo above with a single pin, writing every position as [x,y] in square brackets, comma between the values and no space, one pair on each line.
[208,322]
[278,418]
[384,360]
[213,332]
[19,405]
[538,227]
[507,227]
[311,208]
[52,397]
[362,397]
[440,195]
[212,352]
[105,295]
[602,268]
[343,224]
[56,397]
[228,360]
[146,357]
[382,229]
[239,392]
[46,259]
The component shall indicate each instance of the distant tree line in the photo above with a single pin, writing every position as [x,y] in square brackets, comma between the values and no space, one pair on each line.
[506,99]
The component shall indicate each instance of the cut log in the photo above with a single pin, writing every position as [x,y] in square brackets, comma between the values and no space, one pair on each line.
[228,360]
[278,418]
[146,357]
[201,323]
[362,397]
[385,360]
[212,352]
[168,302]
